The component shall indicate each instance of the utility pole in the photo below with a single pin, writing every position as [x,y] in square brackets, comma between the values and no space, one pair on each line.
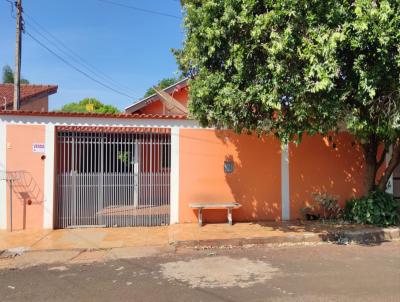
[18,40]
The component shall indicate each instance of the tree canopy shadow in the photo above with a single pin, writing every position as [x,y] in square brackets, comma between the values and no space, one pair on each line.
[333,164]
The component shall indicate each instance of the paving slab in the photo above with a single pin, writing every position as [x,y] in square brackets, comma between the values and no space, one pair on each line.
[24,238]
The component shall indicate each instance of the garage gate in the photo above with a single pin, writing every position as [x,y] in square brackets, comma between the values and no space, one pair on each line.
[117,178]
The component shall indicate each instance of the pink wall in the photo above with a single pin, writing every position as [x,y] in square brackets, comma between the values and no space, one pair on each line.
[28,168]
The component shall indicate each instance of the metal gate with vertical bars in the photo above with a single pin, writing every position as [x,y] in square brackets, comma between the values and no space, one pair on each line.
[115,178]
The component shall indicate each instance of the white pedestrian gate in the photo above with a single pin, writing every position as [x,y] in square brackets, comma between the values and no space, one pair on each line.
[115,178]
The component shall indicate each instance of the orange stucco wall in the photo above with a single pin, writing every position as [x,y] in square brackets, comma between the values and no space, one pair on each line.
[28,168]
[255,181]
[320,165]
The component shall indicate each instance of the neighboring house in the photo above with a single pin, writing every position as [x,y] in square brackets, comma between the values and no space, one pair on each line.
[145,167]
[154,104]
[33,97]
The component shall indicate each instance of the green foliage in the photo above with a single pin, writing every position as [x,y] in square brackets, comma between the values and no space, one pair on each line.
[290,67]
[378,208]
[164,83]
[124,157]
[99,107]
[8,76]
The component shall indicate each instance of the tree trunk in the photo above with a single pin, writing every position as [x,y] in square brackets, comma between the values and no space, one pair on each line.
[370,153]
[371,149]
[392,164]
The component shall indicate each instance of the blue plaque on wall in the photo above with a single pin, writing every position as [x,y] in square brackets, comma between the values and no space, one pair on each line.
[228,166]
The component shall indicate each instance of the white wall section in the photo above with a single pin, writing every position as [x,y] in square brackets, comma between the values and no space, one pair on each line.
[285,182]
[174,175]
[98,121]
[49,166]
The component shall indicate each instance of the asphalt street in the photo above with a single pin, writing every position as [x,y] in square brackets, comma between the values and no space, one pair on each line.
[299,273]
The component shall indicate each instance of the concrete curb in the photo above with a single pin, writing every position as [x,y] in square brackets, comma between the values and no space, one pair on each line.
[375,235]
[10,253]
[364,236]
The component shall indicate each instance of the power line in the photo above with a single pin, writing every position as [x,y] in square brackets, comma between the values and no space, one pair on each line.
[76,68]
[60,57]
[37,27]
[12,4]
[144,10]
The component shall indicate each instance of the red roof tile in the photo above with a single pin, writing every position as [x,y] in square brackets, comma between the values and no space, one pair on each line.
[94,115]
[27,92]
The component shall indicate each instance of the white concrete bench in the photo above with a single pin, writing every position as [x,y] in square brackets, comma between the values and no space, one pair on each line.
[214,205]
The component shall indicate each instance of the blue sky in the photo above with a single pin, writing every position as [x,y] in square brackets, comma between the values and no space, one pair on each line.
[131,47]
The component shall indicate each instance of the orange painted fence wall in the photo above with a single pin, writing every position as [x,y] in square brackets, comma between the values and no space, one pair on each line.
[255,181]
[27,168]
[321,165]
[317,165]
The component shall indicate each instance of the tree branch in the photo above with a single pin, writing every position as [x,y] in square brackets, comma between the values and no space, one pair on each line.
[382,159]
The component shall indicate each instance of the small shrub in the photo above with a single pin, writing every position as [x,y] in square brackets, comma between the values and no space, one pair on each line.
[329,205]
[378,208]
[348,210]
[325,206]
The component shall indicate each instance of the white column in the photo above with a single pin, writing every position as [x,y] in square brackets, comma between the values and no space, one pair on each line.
[174,175]
[49,166]
[285,182]
[3,182]
[389,187]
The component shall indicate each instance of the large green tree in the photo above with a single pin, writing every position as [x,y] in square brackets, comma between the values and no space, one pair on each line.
[8,76]
[293,67]
[98,107]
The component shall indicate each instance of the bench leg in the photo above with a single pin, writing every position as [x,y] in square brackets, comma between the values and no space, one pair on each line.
[230,216]
[200,216]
